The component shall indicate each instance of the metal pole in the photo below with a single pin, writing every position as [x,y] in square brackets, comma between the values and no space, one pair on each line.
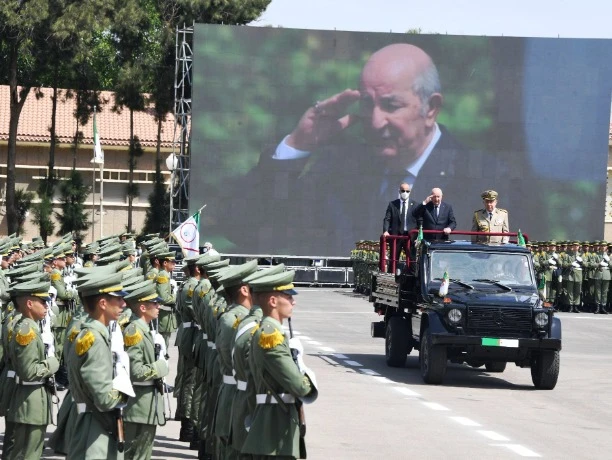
[93,204]
[171,199]
[101,200]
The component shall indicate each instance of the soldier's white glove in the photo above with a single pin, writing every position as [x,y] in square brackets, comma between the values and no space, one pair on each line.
[552,261]
[314,394]
[575,264]
[49,341]
[578,259]
[172,286]
[555,255]
[122,382]
[296,344]
[560,279]
[158,339]
[606,257]
[603,264]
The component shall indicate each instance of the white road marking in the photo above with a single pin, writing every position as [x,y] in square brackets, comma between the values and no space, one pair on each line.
[313,342]
[465,421]
[521,450]
[369,372]
[493,436]
[406,391]
[327,349]
[353,363]
[381,379]
[435,406]
[304,337]
[329,360]
[339,356]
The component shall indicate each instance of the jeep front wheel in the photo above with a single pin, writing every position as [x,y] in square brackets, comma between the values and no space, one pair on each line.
[433,360]
[396,342]
[496,366]
[545,369]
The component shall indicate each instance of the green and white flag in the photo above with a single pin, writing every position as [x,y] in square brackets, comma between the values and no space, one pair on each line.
[520,238]
[420,235]
[444,285]
[98,152]
[187,235]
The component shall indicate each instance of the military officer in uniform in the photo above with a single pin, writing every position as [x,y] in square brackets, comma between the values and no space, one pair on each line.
[98,381]
[166,288]
[148,366]
[34,363]
[490,219]
[572,263]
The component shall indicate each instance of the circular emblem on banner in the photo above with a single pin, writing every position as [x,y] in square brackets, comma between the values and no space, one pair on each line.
[188,232]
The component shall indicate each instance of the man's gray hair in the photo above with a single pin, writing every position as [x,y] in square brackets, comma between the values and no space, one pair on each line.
[426,84]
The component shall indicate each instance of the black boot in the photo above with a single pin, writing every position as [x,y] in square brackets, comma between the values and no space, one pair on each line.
[202,455]
[576,309]
[195,441]
[604,310]
[186,433]
[597,309]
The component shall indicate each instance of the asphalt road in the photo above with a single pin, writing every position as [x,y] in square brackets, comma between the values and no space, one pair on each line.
[367,410]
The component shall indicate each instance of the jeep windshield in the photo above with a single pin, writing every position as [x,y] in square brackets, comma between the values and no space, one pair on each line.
[499,270]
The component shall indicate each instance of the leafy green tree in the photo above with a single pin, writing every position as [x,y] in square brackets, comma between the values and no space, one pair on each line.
[43,217]
[73,217]
[156,219]
[23,203]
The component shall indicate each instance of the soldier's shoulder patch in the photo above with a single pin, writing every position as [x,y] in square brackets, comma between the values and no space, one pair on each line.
[236,323]
[162,279]
[190,292]
[270,337]
[25,335]
[203,292]
[255,328]
[131,336]
[84,341]
[151,275]
[73,333]
[56,276]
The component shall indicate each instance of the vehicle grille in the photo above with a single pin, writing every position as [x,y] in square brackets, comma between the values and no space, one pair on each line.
[499,321]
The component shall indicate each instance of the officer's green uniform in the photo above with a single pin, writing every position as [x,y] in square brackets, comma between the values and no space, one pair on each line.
[167,323]
[90,370]
[30,406]
[274,431]
[497,222]
[572,275]
[65,298]
[144,412]
[7,378]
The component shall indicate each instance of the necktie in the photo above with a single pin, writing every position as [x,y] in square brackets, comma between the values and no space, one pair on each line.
[403,216]
[490,215]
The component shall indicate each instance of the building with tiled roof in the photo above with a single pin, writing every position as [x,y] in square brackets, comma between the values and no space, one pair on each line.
[33,141]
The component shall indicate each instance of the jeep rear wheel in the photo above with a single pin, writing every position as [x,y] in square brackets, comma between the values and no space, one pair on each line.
[433,360]
[545,369]
[496,366]
[396,342]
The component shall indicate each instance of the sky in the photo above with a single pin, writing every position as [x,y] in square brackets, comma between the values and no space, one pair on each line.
[517,18]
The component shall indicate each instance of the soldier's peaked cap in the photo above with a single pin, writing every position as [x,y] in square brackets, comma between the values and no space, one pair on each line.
[143,292]
[208,259]
[489,195]
[236,274]
[35,288]
[103,284]
[273,270]
[280,282]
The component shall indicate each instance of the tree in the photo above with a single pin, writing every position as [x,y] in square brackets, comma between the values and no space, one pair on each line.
[73,217]
[23,203]
[156,219]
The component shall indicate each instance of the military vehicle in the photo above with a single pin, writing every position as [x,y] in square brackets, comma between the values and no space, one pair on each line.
[465,302]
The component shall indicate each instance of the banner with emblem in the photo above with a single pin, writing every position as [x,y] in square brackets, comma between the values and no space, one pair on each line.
[187,235]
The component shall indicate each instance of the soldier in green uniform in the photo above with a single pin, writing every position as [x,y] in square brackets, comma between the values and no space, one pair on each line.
[148,366]
[65,299]
[601,276]
[243,405]
[588,265]
[166,289]
[239,294]
[97,381]
[279,381]
[35,362]
[572,275]
[491,219]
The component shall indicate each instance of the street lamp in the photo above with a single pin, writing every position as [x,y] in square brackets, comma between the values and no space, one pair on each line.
[171,164]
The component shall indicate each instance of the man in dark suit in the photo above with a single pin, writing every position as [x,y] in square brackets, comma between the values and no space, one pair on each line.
[399,219]
[434,214]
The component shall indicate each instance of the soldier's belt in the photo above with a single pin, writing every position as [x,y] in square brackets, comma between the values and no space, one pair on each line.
[211,345]
[191,324]
[204,335]
[82,408]
[269,399]
[60,303]
[148,383]
[10,374]
[229,380]
[241,385]
[165,308]
[24,383]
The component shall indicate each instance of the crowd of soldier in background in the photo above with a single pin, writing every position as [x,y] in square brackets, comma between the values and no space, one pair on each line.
[240,382]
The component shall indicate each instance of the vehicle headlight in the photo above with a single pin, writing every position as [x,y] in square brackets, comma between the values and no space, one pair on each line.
[541,319]
[454,315]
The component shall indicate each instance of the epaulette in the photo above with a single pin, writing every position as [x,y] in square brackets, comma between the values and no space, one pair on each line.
[255,329]
[204,292]
[236,323]
[84,342]
[56,276]
[162,279]
[502,210]
[132,336]
[151,275]
[24,337]
[269,340]
[73,333]
[189,292]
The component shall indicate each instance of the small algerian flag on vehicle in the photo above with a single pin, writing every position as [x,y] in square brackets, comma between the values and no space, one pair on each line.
[444,285]
[520,238]
[420,235]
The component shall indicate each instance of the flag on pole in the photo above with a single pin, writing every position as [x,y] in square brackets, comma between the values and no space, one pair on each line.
[187,235]
[98,152]
[444,285]
[420,235]
[520,238]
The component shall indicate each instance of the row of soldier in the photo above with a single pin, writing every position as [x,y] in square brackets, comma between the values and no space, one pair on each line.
[240,379]
[574,276]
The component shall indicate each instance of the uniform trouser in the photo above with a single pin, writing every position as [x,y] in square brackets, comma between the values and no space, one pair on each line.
[573,292]
[139,439]
[197,397]
[28,442]
[187,385]
[60,337]
[605,286]
[9,439]
[178,387]
[596,290]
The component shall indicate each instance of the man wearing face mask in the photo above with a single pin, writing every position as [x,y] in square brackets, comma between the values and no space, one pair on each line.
[398,218]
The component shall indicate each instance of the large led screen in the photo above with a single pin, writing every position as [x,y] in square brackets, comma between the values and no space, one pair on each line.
[301,138]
